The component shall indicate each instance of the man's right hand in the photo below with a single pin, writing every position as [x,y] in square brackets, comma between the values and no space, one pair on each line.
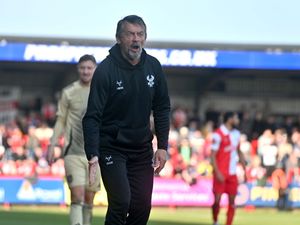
[220,177]
[93,170]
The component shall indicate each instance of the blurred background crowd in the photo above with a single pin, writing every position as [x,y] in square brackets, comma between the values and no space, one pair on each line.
[271,145]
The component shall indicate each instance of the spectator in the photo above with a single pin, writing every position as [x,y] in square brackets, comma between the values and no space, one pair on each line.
[246,124]
[268,151]
[245,147]
[256,172]
[280,183]
[44,133]
[9,168]
[258,124]
[284,147]
[19,154]
[32,141]
[185,150]
[179,117]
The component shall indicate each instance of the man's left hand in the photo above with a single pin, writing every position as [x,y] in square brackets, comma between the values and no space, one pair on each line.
[159,161]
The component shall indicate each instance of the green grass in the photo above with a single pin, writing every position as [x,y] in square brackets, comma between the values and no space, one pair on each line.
[49,215]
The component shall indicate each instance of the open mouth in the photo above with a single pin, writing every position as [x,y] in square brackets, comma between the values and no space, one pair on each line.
[135,47]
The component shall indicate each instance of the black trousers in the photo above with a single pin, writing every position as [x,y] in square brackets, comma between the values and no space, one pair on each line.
[128,180]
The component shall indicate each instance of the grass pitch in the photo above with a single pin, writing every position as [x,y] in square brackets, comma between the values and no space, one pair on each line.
[49,215]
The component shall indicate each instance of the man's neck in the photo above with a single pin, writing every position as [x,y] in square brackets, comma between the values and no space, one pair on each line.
[131,61]
[228,126]
[84,83]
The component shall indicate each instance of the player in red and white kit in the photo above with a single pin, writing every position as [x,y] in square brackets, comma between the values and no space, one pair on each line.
[224,158]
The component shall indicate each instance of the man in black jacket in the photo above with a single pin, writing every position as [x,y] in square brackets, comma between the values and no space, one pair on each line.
[126,87]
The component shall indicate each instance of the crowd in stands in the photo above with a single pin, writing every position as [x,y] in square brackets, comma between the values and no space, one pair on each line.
[269,144]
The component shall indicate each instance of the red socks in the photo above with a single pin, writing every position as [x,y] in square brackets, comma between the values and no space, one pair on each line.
[230,214]
[215,211]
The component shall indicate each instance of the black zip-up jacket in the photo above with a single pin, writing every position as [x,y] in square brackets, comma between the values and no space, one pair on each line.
[121,99]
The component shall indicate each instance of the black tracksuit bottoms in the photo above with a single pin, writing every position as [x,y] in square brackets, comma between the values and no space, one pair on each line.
[128,180]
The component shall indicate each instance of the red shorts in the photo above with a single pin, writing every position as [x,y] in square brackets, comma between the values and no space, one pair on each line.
[229,186]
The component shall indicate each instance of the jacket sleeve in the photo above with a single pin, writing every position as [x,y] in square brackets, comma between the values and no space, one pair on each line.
[93,117]
[161,111]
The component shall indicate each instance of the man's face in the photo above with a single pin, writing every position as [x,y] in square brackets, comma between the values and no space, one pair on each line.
[235,120]
[86,70]
[132,40]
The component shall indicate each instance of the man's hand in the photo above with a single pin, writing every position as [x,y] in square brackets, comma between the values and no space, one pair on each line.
[93,166]
[159,160]
[245,178]
[220,177]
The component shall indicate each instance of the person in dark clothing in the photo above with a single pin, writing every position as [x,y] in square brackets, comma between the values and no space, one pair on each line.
[126,88]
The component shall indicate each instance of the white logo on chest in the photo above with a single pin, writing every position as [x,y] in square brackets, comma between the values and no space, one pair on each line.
[150,79]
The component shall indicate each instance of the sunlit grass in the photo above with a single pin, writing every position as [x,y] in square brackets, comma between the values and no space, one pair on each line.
[49,215]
